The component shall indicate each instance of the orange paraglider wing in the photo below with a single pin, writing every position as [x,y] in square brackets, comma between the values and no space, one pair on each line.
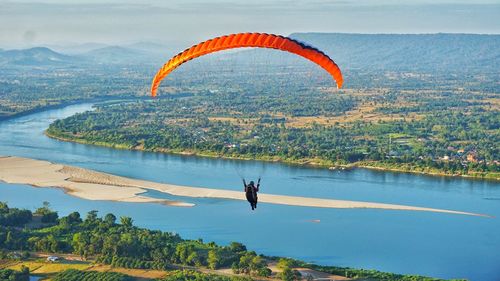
[241,40]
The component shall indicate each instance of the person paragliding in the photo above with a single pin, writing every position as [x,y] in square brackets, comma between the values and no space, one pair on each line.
[251,192]
[253,40]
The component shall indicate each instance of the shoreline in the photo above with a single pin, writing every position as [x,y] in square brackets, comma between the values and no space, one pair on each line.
[64,104]
[304,162]
[430,174]
[94,185]
[49,107]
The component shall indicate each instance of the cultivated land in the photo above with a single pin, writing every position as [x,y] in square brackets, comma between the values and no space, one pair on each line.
[39,266]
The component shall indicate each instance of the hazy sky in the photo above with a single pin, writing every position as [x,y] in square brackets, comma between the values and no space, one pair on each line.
[38,22]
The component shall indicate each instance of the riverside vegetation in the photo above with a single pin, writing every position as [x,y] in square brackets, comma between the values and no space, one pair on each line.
[456,136]
[104,240]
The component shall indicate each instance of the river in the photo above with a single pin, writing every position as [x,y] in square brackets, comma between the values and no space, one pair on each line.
[432,244]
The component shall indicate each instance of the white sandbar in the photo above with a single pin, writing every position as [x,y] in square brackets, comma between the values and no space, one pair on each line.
[93,185]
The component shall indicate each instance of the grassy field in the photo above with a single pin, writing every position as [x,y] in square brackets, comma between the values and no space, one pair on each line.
[140,274]
[40,267]
[47,270]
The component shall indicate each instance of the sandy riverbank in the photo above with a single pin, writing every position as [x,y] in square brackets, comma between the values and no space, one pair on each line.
[92,185]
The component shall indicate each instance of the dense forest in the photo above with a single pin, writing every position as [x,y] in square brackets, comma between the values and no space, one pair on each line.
[117,242]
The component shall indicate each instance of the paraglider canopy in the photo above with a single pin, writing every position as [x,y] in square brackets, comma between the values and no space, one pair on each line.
[241,40]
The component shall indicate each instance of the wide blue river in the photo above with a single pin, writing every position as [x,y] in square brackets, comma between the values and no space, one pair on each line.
[439,245]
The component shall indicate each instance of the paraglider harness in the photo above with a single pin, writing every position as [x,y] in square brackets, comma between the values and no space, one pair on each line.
[251,192]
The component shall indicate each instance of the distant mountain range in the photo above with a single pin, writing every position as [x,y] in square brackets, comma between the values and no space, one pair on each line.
[33,56]
[89,53]
[409,52]
[391,52]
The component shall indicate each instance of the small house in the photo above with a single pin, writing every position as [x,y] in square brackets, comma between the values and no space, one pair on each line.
[52,258]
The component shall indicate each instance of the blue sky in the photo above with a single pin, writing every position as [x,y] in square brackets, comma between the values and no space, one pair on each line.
[180,22]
